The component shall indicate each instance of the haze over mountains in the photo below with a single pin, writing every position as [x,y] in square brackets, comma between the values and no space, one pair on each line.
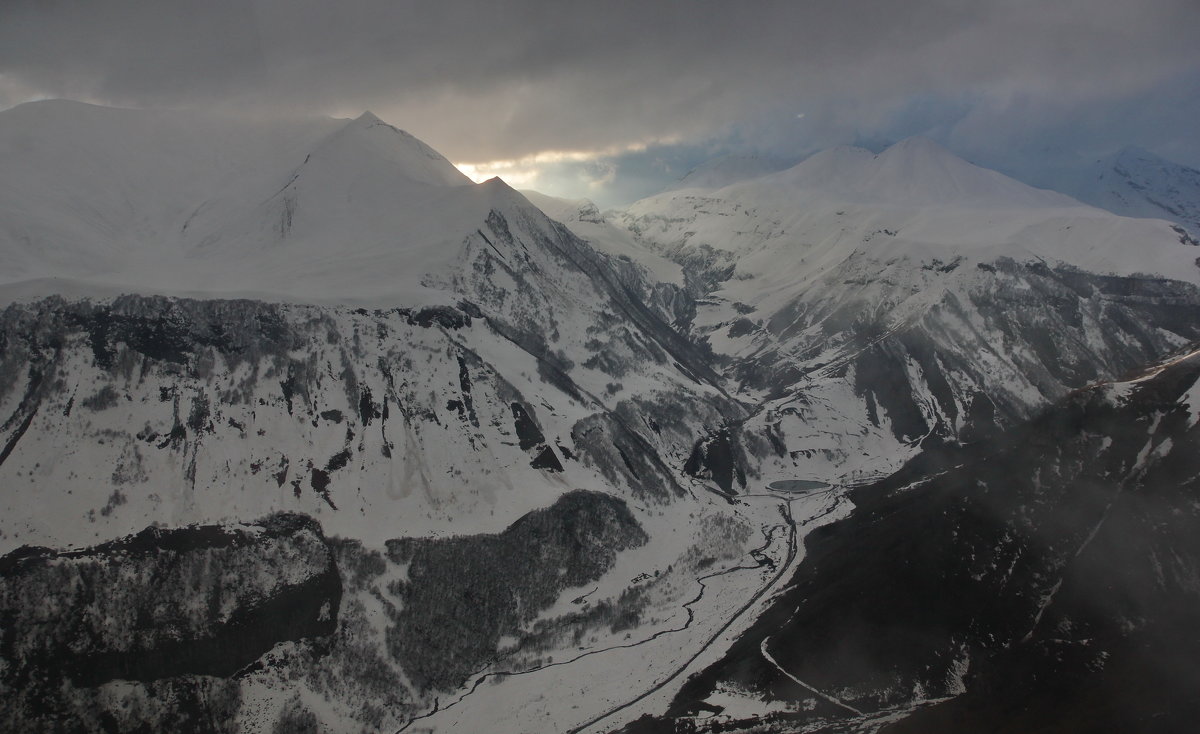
[1132,181]
[202,203]
[1136,183]
[505,461]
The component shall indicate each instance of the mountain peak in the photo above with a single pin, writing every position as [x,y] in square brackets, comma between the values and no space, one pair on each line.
[367,143]
[917,144]
[921,151]
[914,172]
[918,170]
[180,201]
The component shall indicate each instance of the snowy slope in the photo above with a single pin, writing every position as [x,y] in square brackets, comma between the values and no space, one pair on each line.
[86,189]
[161,202]
[412,358]
[729,169]
[584,219]
[875,300]
[937,204]
[1134,182]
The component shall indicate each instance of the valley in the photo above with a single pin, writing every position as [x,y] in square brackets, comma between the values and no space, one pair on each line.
[316,434]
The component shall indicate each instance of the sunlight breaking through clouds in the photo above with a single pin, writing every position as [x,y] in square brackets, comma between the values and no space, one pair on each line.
[548,169]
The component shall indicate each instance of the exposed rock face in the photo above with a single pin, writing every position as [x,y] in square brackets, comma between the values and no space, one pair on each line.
[1020,335]
[401,409]
[162,605]
[247,407]
[1049,576]
[868,303]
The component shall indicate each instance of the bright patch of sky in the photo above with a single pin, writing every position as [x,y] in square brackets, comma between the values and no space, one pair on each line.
[605,177]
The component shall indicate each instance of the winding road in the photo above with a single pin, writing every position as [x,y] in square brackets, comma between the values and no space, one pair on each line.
[762,560]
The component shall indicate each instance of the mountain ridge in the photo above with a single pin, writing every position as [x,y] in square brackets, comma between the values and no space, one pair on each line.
[809,279]
[558,457]
[1135,182]
[338,212]
[1059,606]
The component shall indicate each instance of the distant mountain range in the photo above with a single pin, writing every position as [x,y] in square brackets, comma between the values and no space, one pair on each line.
[900,292]
[1136,183]
[1132,182]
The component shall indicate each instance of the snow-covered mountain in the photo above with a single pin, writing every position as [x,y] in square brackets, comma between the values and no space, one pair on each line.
[1134,182]
[301,429]
[489,303]
[89,190]
[411,357]
[866,302]
[337,211]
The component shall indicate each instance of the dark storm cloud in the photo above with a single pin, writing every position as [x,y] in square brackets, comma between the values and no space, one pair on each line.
[138,52]
[485,79]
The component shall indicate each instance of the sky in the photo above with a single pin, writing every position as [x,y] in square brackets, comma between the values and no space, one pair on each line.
[614,100]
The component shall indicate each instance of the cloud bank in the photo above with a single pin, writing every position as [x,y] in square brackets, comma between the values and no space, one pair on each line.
[483,80]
